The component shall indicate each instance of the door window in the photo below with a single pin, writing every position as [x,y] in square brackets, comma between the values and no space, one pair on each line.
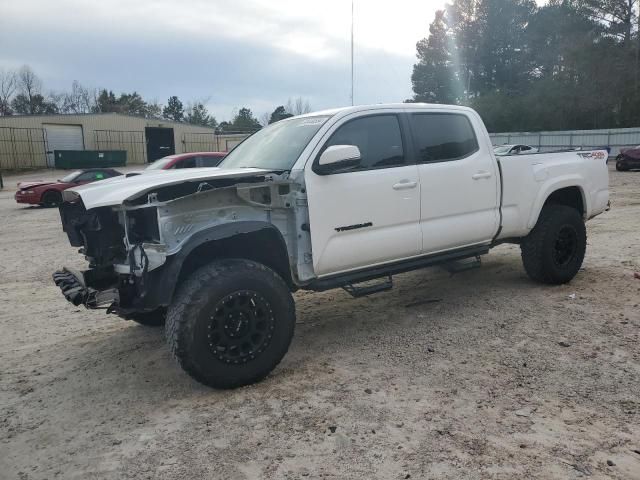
[186,163]
[379,139]
[89,176]
[208,161]
[442,137]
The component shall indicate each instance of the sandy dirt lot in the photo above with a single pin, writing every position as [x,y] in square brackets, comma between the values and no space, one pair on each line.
[483,374]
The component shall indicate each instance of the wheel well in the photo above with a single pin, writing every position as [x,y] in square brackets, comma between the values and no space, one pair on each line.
[569,196]
[265,246]
[46,192]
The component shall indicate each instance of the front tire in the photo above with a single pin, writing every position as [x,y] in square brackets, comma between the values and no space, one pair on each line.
[554,250]
[231,323]
[621,166]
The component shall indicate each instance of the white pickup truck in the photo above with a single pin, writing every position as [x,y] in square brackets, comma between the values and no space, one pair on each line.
[340,198]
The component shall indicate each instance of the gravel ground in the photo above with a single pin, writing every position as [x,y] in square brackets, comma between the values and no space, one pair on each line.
[483,374]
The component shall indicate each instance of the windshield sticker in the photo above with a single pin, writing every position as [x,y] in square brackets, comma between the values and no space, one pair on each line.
[312,121]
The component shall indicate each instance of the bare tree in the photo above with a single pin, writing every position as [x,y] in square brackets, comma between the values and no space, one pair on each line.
[78,100]
[8,85]
[264,119]
[298,106]
[28,84]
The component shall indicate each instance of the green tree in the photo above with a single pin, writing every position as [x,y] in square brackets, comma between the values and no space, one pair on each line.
[106,102]
[174,109]
[433,77]
[132,104]
[244,121]
[197,114]
[34,105]
[279,114]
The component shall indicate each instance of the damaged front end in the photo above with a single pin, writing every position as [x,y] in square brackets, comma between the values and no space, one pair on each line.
[136,248]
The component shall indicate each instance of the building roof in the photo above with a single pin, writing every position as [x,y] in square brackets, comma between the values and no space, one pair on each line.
[138,117]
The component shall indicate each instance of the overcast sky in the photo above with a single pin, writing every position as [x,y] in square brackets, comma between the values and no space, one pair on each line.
[254,53]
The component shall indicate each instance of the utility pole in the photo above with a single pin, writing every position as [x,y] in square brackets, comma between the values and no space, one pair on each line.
[351,52]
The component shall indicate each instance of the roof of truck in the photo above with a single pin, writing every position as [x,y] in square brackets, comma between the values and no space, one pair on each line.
[391,106]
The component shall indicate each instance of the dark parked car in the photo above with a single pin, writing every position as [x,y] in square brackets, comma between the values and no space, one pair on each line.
[188,160]
[49,194]
[628,158]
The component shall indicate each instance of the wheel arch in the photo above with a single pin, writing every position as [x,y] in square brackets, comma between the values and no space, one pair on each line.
[569,192]
[48,191]
[259,241]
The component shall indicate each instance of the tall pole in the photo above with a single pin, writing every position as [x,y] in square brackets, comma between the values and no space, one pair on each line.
[351,52]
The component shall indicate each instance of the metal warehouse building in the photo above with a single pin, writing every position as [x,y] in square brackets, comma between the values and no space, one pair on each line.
[28,141]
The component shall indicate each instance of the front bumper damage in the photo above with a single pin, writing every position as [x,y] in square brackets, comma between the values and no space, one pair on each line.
[122,294]
[74,288]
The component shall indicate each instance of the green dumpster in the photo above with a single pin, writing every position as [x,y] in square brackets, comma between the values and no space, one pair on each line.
[72,159]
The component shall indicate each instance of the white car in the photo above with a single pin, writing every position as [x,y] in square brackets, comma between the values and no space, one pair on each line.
[338,198]
[502,150]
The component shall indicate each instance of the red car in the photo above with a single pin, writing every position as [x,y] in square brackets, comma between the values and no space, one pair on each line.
[188,160]
[49,194]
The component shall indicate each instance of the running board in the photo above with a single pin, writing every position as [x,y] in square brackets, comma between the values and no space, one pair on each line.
[458,266]
[356,292]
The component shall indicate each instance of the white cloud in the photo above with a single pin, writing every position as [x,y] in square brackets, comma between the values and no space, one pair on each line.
[249,52]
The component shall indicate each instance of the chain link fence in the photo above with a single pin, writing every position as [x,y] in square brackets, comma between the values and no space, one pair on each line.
[133,142]
[212,142]
[22,148]
[572,139]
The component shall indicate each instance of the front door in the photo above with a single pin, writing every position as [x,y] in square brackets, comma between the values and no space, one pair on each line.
[160,143]
[459,181]
[367,214]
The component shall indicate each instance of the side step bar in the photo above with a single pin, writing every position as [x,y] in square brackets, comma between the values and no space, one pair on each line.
[458,266]
[360,291]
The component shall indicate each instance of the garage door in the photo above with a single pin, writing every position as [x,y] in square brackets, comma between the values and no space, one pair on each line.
[63,137]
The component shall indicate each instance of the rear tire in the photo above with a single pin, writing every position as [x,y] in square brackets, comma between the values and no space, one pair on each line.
[554,250]
[51,199]
[621,166]
[230,323]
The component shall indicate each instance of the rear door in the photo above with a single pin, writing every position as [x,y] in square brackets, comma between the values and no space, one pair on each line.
[367,214]
[459,180]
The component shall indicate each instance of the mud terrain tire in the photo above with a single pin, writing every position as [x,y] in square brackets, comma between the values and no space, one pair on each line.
[230,323]
[554,250]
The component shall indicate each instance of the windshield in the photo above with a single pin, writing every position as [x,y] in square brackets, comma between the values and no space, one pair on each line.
[502,150]
[71,177]
[161,163]
[276,147]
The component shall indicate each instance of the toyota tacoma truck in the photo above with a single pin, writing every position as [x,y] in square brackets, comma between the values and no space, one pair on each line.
[340,198]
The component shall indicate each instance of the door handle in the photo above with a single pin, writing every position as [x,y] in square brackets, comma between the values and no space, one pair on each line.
[404,185]
[480,175]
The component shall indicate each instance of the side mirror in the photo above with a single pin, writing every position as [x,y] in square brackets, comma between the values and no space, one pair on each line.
[336,158]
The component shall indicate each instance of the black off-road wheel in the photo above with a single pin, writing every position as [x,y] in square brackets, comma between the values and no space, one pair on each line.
[51,199]
[149,319]
[554,250]
[230,323]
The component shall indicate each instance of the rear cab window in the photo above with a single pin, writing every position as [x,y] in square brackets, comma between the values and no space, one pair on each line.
[442,137]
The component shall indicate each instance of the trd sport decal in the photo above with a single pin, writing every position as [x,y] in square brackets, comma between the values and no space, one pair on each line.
[354,227]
